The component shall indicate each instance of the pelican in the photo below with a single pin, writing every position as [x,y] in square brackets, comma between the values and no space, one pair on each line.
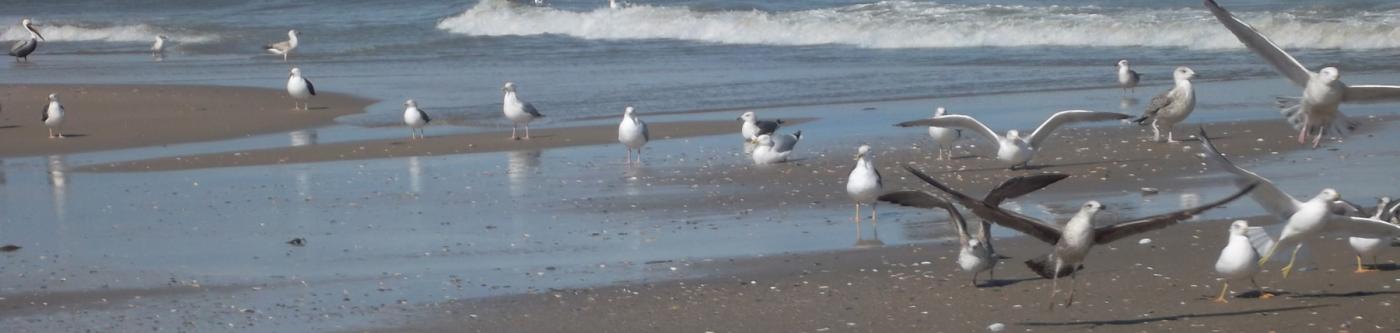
[1127,77]
[753,127]
[775,149]
[1324,213]
[1318,111]
[632,133]
[519,112]
[943,136]
[1013,148]
[23,48]
[1171,106]
[285,47]
[53,117]
[300,88]
[415,118]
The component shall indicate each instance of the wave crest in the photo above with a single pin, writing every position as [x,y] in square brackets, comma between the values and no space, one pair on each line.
[116,33]
[906,24]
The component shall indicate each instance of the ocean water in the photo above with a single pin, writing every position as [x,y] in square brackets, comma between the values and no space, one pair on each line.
[578,59]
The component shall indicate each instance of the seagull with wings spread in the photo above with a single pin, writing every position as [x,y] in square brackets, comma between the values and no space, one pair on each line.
[1013,148]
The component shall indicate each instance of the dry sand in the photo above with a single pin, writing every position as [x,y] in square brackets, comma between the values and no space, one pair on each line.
[103,117]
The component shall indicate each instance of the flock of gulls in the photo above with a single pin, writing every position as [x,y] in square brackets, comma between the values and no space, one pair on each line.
[1316,113]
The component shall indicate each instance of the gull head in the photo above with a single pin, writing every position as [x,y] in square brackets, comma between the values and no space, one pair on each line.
[296,71]
[628,111]
[940,111]
[508,88]
[1013,134]
[1122,63]
[53,97]
[293,33]
[410,103]
[1183,73]
[974,243]
[748,117]
[1238,227]
[1091,207]
[862,151]
[1329,74]
[1329,195]
[764,140]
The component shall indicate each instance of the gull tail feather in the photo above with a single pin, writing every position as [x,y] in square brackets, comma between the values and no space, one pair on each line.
[1045,267]
[1141,120]
[1292,109]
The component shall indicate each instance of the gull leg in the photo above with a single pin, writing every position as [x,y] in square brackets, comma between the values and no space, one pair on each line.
[1361,268]
[1289,267]
[1073,280]
[1169,136]
[874,216]
[974,279]
[1262,294]
[1318,139]
[639,156]
[1223,289]
[1054,284]
[1303,133]
[527,131]
[1156,132]
[628,159]
[513,128]
[992,272]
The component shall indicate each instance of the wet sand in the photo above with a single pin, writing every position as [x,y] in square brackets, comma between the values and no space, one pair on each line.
[105,117]
[495,141]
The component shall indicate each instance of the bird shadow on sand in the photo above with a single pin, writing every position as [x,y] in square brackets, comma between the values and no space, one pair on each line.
[1043,166]
[9,126]
[69,136]
[318,108]
[1348,295]
[1139,321]
[1005,282]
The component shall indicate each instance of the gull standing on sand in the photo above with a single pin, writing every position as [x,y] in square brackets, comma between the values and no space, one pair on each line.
[1172,106]
[975,252]
[753,127]
[1013,148]
[1127,77]
[1076,237]
[1370,247]
[1239,259]
[632,133]
[1304,219]
[1318,110]
[943,136]
[24,47]
[864,184]
[285,47]
[519,112]
[159,47]
[775,148]
[300,88]
[416,118]
[53,117]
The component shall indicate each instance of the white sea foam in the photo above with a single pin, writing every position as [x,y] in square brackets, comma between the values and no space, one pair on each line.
[906,24]
[117,33]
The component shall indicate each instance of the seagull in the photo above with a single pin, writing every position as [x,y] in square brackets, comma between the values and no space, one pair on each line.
[753,127]
[1239,259]
[864,184]
[23,48]
[300,88]
[1369,247]
[1171,106]
[943,136]
[1013,148]
[1323,213]
[285,47]
[53,117]
[519,112]
[632,132]
[1318,110]
[415,118]
[975,254]
[775,148]
[1077,236]
[1127,77]
[159,47]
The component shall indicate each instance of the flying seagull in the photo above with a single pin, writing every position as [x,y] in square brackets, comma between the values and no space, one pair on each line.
[1170,107]
[975,253]
[1077,236]
[1318,110]
[1324,213]
[1013,148]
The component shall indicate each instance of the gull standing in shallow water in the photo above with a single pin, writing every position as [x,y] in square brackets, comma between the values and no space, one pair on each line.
[1239,259]
[1013,148]
[1077,236]
[519,112]
[415,118]
[753,127]
[1318,110]
[943,136]
[775,148]
[53,117]
[864,184]
[159,47]
[285,47]
[24,47]
[1127,78]
[300,88]
[632,133]
[1171,106]
[1324,213]
[975,252]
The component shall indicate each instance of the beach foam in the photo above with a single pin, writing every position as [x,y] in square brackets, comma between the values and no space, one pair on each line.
[116,33]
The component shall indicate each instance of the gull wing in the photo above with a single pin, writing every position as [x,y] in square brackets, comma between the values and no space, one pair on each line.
[1361,227]
[1371,93]
[1108,234]
[44,112]
[1260,240]
[1285,64]
[1161,101]
[424,114]
[1268,195]
[532,111]
[278,47]
[785,142]
[922,199]
[646,134]
[309,87]
[1031,227]
[767,126]
[956,121]
[1069,117]
[1020,186]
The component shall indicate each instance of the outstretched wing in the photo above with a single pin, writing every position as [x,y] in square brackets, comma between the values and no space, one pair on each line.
[1371,93]
[1020,186]
[1285,64]
[1268,195]
[1069,117]
[1108,234]
[927,200]
[1161,101]
[1361,227]
[956,121]
[1040,230]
